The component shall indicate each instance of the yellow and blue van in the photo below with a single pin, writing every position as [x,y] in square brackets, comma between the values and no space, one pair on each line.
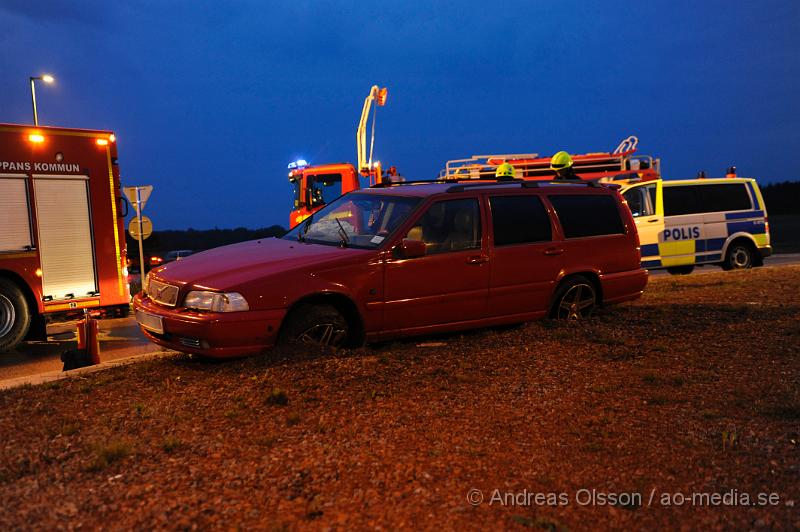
[693,222]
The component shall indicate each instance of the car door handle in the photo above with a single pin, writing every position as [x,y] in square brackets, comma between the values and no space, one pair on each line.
[477,259]
[553,251]
[653,220]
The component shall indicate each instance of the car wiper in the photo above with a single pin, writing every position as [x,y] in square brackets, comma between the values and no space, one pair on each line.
[301,235]
[343,234]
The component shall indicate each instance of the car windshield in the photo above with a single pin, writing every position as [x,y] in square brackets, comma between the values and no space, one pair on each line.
[355,220]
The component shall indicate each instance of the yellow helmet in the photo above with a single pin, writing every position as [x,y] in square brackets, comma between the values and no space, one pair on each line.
[560,161]
[504,170]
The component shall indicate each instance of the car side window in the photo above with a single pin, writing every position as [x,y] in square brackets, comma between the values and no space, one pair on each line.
[452,225]
[519,219]
[587,215]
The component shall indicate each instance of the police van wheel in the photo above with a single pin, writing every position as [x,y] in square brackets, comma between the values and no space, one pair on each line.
[681,270]
[575,299]
[739,256]
[15,317]
[315,325]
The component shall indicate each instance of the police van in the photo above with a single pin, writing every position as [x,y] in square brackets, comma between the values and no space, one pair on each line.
[693,222]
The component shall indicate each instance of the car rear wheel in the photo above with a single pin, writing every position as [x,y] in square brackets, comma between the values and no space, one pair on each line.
[15,317]
[681,270]
[575,299]
[740,256]
[315,325]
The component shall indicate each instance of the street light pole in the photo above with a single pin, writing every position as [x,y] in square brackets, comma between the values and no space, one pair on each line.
[47,79]
[33,100]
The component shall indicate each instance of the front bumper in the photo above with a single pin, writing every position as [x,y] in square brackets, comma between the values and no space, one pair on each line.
[212,334]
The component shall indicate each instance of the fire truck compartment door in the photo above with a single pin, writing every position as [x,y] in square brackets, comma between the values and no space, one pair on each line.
[65,236]
[15,223]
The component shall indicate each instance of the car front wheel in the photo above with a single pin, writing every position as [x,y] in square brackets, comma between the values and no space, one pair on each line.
[315,325]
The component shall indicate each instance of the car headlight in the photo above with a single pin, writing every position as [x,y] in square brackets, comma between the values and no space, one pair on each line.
[215,301]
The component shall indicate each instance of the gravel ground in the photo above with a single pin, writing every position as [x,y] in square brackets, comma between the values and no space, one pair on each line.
[614,422]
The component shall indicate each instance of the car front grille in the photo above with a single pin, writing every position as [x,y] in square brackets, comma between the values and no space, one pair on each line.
[189,342]
[163,293]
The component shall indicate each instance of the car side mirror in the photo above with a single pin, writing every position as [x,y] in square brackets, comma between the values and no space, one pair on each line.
[410,249]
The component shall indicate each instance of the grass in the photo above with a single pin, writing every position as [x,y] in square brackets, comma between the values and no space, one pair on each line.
[657,400]
[787,412]
[650,379]
[106,454]
[277,397]
[171,443]
[292,419]
[539,523]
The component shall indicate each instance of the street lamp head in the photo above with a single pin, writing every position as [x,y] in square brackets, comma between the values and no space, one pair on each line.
[47,78]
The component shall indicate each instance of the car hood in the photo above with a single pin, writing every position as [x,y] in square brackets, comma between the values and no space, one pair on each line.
[228,267]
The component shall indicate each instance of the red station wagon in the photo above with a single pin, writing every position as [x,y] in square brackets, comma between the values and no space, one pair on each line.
[402,260]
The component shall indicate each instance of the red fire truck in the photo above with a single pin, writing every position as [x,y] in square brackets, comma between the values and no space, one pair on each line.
[317,185]
[621,166]
[62,236]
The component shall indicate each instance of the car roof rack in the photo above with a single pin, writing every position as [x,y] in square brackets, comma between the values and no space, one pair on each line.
[386,184]
[461,187]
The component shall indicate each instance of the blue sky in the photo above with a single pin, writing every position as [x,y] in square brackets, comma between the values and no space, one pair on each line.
[211,100]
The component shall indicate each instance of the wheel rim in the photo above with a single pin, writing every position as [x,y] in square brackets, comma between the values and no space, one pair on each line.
[740,257]
[7,315]
[577,303]
[323,334]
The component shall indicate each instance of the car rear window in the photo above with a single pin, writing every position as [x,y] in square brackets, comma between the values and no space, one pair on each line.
[587,215]
[695,199]
[519,219]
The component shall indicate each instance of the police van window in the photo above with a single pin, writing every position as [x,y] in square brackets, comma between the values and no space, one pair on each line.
[324,188]
[683,199]
[639,200]
[452,225]
[725,197]
[519,219]
[695,199]
[587,215]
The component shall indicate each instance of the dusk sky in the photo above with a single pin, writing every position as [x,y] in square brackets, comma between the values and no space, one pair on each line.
[211,100]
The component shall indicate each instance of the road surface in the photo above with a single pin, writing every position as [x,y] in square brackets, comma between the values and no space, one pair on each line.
[121,338]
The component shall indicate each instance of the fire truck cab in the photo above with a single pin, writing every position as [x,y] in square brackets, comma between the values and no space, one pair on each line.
[62,236]
[316,186]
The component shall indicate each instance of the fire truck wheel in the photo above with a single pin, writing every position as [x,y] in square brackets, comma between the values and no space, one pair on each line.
[740,255]
[317,325]
[15,317]
[576,298]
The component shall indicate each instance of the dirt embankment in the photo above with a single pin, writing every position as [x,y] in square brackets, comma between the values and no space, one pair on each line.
[692,391]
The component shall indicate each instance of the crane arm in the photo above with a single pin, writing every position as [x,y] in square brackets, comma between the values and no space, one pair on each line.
[376,95]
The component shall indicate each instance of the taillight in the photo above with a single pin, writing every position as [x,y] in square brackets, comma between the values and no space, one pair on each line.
[766,224]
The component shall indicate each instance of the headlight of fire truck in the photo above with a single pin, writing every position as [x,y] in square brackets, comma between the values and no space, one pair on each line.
[215,301]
